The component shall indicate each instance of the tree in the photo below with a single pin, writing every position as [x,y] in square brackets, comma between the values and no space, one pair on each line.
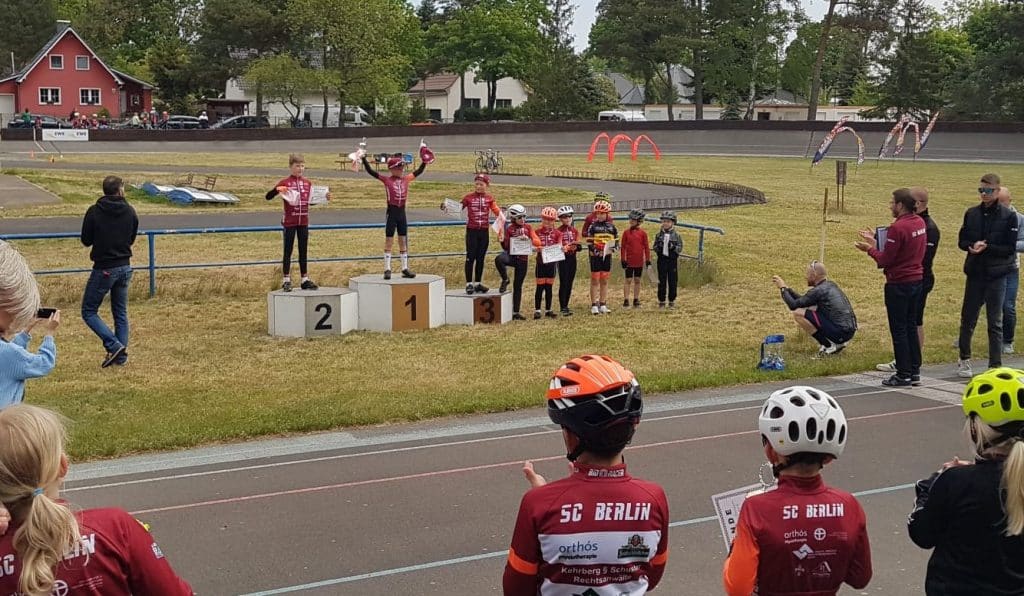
[844,63]
[283,79]
[428,14]
[992,86]
[123,31]
[922,74]
[28,24]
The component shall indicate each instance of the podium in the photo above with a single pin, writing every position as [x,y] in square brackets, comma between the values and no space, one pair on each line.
[399,304]
[312,313]
[491,308]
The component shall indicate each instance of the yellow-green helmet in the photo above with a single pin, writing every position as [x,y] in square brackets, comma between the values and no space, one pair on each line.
[996,396]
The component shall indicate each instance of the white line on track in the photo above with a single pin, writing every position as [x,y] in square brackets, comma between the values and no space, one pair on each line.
[496,554]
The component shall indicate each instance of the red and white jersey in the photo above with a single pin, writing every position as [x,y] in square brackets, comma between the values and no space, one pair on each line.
[397,189]
[116,557]
[570,236]
[549,236]
[478,209]
[297,214]
[599,531]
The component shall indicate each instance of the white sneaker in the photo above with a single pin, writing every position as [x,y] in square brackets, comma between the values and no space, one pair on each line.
[887,367]
[1008,348]
[956,343]
[594,310]
[963,369]
[604,309]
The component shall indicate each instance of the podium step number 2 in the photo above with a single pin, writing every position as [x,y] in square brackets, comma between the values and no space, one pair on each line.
[327,311]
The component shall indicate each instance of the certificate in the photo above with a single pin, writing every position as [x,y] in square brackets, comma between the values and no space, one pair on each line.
[290,196]
[499,224]
[609,248]
[652,274]
[552,254]
[881,235]
[727,508]
[520,246]
[318,195]
[452,208]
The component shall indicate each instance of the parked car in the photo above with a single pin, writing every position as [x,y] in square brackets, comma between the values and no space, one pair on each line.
[47,122]
[181,123]
[243,122]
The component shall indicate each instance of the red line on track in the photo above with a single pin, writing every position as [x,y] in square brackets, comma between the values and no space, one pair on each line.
[313,489]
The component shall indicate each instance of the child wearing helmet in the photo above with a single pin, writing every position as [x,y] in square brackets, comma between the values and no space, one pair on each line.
[567,268]
[478,204]
[515,227]
[567,539]
[668,246]
[972,515]
[803,537]
[635,254]
[396,189]
[599,234]
[589,219]
[545,272]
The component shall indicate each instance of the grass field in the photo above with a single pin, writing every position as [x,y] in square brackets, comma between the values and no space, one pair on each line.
[204,370]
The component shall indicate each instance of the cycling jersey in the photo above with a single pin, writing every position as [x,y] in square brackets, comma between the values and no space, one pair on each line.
[802,538]
[297,214]
[478,209]
[635,250]
[598,532]
[960,514]
[600,233]
[396,188]
[514,230]
[548,237]
[570,237]
[116,557]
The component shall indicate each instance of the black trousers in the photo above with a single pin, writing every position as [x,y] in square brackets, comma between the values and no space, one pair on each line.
[566,277]
[302,232]
[989,293]
[668,277]
[519,267]
[901,303]
[476,250]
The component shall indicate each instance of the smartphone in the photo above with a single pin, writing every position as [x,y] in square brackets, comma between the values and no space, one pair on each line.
[45,313]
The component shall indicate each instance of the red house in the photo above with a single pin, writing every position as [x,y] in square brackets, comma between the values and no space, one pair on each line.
[67,76]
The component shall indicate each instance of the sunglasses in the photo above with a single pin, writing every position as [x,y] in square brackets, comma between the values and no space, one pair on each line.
[986,191]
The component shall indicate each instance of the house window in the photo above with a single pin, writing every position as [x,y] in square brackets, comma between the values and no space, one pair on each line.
[435,115]
[81,63]
[56,62]
[503,104]
[88,97]
[472,102]
[49,95]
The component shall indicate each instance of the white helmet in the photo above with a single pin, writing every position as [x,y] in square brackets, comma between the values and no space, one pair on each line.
[516,210]
[803,419]
[565,210]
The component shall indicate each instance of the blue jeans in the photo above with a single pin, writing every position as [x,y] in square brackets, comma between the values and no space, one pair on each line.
[101,282]
[1010,307]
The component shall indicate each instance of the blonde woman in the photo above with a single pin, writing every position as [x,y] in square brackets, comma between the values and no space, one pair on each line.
[972,514]
[105,549]
[19,295]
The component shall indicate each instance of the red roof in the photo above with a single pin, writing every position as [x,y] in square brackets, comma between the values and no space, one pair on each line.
[437,84]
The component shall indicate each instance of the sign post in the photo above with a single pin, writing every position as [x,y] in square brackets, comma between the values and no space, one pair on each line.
[841,186]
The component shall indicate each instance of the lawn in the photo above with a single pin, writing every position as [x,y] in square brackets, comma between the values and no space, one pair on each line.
[204,370]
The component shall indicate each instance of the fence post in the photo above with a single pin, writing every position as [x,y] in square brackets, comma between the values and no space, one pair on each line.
[152,263]
[700,248]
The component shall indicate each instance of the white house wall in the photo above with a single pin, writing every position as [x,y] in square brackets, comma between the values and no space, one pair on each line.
[275,111]
[508,88]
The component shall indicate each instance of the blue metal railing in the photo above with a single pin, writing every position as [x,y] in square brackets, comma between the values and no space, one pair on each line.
[151,235]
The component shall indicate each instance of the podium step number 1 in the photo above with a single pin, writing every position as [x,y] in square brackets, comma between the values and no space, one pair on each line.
[409,307]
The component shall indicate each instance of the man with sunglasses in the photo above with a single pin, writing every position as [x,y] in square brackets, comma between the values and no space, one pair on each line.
[989,237]
[824,311]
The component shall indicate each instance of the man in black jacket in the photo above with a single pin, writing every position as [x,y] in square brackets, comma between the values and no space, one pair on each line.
[824,311]
[109,228]
[989,236]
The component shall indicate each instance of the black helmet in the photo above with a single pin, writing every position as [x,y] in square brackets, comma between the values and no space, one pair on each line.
[668,215]
[636,214]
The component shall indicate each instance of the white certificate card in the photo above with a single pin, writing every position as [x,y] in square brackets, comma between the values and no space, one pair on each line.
[520,246]
[552,254]
[318,195]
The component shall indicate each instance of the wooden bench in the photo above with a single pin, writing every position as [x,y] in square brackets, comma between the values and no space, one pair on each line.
[191,179]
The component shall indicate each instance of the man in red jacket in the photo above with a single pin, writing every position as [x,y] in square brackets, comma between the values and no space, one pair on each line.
[900,258]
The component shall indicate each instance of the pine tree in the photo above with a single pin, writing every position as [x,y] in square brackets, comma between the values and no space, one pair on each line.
[28,24]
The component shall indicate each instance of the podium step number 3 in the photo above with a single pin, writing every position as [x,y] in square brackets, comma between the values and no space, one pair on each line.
[477,309]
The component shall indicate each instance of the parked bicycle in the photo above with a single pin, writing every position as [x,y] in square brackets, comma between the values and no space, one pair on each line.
[489,161]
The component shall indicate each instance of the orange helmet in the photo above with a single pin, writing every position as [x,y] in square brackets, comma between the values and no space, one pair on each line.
[598,400]
[549,213]
[603,207]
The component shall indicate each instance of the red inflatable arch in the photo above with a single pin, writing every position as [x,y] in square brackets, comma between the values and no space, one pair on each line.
[636,146]
[615,140]
[593,146]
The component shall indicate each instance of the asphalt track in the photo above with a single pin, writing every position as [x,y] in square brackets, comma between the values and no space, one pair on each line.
[428,508]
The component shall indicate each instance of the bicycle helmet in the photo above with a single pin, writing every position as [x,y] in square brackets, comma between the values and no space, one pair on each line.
[482,178]
[602,207]
[549,213]
[516,211]
[598,400]
[395,162]
[636,214]
[803,420]
[602,196]
[565,210]
[668,215]
[996,396]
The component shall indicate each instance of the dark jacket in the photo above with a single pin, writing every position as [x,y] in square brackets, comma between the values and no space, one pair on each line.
[675,244]
[960,514]
[997,226]
[902,257]
[109,228]
[830,300]
[932,246]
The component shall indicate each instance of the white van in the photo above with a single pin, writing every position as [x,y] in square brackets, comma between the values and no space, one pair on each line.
[354,116]
[621,116]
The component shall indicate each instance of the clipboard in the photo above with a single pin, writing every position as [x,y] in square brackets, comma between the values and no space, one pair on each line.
[881,235]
